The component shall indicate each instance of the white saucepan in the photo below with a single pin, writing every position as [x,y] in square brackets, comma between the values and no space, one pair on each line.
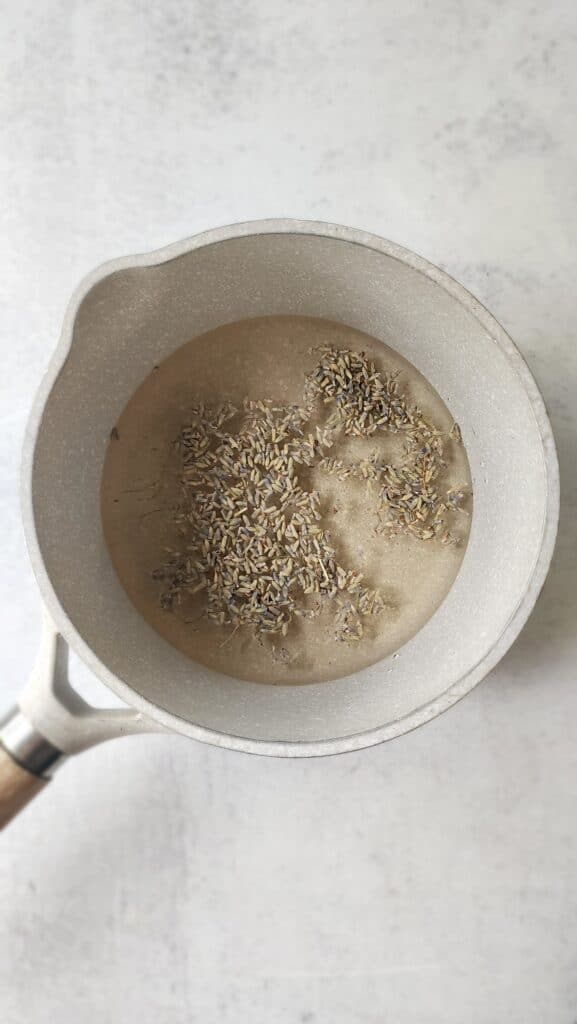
[125,318]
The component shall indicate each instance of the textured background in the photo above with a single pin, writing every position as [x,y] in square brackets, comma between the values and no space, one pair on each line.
[431,880]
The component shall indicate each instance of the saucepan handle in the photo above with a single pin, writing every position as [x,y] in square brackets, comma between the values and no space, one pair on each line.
[50,723]
[17,788]
[27,760]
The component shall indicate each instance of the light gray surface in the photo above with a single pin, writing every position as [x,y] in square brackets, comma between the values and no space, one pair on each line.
[430,880]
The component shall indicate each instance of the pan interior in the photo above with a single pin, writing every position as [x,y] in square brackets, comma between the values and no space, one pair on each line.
[268,358]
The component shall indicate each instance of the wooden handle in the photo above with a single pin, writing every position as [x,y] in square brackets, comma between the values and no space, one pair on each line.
[17,787]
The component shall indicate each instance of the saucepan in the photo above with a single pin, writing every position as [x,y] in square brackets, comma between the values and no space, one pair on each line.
[123,320]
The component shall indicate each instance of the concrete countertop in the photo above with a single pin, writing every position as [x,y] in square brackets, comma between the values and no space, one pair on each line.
[432,880]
